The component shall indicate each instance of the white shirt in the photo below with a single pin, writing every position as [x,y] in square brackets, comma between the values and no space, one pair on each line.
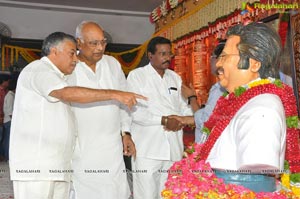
[99,124]
[164,98]
[8,106]
[42,129]
[255,136]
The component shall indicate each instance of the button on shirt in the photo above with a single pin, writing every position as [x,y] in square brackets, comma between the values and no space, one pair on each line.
[42,130]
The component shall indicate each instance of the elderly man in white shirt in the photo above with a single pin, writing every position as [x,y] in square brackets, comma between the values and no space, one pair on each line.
[43,129]
[98,164]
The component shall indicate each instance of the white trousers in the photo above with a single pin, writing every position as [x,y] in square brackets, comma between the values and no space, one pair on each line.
[41,189]
[149,177]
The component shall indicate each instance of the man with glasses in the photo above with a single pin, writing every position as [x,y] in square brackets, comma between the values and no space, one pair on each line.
[158,138]
[99,168]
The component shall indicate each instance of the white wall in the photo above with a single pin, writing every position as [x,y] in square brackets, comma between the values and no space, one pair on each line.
[37,24]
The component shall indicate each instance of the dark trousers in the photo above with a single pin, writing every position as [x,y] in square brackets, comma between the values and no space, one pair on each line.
[5,142]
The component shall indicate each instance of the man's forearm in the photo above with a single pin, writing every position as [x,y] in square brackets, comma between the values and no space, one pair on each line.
[84,95]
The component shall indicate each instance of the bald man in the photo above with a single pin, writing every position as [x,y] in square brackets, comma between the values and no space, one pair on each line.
[103,128]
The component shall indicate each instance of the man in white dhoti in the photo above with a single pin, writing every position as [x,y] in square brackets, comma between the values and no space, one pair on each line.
[42,130]
[99,169]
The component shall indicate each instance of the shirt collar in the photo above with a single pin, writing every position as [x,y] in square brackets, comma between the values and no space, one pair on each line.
[46,59]
[151,70]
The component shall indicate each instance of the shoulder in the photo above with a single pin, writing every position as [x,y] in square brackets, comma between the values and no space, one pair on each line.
[138,72]
[109,59]
[112,63]
[266,105]
[172,73]
[174,76]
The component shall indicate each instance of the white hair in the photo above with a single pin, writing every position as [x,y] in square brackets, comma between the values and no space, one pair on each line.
[78,33]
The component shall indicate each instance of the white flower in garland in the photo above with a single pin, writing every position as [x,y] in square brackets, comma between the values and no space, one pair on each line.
[164,8]
[155,14]
[173,3]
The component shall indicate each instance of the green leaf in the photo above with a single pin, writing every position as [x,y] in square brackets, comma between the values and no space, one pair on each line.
[292,122]
[225,93]
[286,165]
[190,150]
[239,91]
[206,130]
[278,83]
[295,177]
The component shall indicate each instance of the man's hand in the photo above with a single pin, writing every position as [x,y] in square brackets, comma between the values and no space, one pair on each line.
[128,98]
[184,120]
[187,91]
[172,124]
[128,146]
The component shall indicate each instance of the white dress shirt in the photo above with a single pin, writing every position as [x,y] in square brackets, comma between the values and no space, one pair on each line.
[99,145]
[42,129]
[254,137]
[164,98]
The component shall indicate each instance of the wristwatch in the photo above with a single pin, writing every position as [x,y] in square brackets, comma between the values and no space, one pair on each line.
[123,133]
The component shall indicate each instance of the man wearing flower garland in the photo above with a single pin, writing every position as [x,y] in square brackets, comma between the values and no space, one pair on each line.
[247,129]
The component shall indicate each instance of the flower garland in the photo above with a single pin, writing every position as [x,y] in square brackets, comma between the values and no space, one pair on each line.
[227,107]
[193,178]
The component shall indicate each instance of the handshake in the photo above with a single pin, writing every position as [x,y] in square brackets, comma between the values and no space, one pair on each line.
[172,122]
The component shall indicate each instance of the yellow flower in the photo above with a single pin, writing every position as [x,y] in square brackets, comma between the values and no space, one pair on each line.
[259,82]
[285,180]
[166,194]
[295,189]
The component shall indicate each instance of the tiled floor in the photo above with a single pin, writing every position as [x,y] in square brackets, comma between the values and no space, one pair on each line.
[6,189]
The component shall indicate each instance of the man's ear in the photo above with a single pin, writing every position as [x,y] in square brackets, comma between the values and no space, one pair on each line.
[53,51]
[149,55]
[254,65]
[79,43]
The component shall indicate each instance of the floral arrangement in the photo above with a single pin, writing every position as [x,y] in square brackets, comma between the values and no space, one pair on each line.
[193,178]
[163,9]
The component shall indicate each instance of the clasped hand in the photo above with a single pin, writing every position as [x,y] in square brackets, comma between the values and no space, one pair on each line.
[173,124]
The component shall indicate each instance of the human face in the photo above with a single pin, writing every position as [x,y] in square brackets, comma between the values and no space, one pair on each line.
[64,57]
[92,44]
[230,76]
[161,59]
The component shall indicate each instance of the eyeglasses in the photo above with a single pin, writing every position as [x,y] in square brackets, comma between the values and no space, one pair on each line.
[95,43]
[164,54]
[224,55]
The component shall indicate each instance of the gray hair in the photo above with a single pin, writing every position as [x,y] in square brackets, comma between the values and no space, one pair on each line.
[261,43]
[78,33]
[55,40]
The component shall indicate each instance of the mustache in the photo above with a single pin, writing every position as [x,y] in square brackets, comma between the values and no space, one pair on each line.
[166,62]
